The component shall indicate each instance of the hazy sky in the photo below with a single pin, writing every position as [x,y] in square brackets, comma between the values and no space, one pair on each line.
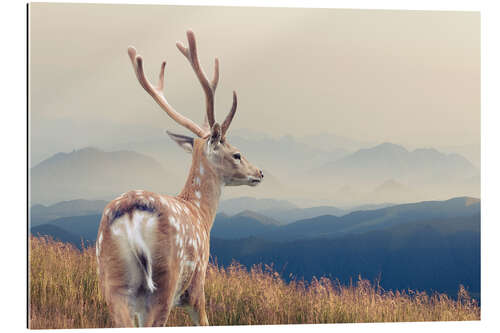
[409,77]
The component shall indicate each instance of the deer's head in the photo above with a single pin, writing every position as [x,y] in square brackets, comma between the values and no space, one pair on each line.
[211,143]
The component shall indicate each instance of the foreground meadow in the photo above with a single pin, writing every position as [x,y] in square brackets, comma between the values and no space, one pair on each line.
[64,293]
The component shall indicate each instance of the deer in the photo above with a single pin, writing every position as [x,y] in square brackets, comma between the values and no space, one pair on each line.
[152,250]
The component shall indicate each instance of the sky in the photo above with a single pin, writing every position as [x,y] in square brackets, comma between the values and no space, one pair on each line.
[408,77]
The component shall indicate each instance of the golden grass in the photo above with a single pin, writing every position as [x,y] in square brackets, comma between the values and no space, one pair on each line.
[64,293]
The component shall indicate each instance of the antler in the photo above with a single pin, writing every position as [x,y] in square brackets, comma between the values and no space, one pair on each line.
[230,115]
[209,88]
[157,93]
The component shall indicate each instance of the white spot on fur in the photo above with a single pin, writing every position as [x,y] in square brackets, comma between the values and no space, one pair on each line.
[197,203]
[164,201]
[202,170]
[174,222]
[151,199]
[198,194]
[197,181]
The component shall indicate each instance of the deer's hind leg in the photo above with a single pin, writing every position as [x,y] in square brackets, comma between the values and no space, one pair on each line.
[120,310]
[193,300]
[161,303]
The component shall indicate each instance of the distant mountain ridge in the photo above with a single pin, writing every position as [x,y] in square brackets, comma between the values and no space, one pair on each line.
[392,161]
[390,172]
[93,173]
[329,226]
[40,213]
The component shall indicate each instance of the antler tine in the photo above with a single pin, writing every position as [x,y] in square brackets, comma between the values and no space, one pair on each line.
[157,93]
[230,115]
[209,87]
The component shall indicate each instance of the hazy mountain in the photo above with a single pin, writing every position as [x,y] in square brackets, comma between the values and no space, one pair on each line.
[292,215]
[41,214]
[258,217]
[397,174]
[93,173]
[237,205]
[245,224]
[391,161]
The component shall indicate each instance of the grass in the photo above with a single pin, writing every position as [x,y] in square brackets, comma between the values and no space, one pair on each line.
[64,293]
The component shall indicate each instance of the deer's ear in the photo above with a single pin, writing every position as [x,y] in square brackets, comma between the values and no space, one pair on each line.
[186,142]
[215,134]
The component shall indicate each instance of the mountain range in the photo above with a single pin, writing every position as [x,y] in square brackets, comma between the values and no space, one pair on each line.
[294,171]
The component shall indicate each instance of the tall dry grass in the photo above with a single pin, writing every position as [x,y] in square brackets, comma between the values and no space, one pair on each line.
[64,293]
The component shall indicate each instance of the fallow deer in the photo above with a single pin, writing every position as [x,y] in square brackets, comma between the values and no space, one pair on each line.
[152,249]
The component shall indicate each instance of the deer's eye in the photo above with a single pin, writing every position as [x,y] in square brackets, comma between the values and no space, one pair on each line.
[237,156]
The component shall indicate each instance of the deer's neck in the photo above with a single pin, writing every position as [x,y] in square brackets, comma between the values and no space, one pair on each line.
[203,188]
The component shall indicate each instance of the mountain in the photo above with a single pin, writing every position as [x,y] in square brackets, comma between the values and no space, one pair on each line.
[41,214]
[391,161]
[245,224]
[330,226]
[412,175]
[93,173]
[56,233]
[362,221]
[237,205]
[431,255]
[292,215]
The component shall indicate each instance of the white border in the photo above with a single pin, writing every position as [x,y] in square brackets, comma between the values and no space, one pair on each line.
[13,150]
